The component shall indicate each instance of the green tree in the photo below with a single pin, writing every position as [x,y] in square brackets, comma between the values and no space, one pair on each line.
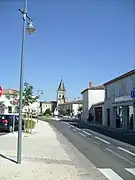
[80,109]
[48,112]
[28,95]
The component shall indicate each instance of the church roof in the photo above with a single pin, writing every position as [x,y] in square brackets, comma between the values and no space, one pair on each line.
[61,86]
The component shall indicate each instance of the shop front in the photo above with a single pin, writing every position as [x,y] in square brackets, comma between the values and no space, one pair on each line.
[119,111]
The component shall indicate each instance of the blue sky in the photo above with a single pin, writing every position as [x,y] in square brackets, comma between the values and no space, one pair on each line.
[77,40]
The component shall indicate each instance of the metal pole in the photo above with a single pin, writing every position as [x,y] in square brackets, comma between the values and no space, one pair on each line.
[19,148]
[38,106]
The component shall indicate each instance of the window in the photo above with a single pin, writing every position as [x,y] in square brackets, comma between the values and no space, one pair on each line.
[9,109]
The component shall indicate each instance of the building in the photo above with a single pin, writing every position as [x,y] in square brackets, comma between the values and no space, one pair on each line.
[61,93]
[7,101]
[96,112]
[44,105]
[90,96]
[118,109]
[70,108]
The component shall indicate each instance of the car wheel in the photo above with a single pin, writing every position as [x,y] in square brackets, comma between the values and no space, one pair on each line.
[10,129]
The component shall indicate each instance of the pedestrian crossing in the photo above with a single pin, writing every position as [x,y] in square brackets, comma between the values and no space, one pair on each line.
[111,175]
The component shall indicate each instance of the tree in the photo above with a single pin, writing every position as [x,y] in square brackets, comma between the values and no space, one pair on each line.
[28,95]
[48,112]
[80,109]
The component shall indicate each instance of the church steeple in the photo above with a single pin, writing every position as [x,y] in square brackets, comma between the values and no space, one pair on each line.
[61,86]
[61,93]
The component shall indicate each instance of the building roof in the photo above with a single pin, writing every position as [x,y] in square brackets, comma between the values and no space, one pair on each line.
[100,87]
[129,73]
[61,86]
[10,91]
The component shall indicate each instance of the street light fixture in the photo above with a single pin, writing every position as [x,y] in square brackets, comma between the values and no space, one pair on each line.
[30,29]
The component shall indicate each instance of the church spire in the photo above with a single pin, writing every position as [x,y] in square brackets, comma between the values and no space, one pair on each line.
[61,86]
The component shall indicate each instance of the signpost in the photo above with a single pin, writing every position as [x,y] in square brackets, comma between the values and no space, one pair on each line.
[15,103]
[133,93]
[1,91]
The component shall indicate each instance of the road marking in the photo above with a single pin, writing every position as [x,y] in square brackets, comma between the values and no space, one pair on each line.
[74,129]
[72,126]
[87,133]
[125,150]
[69,126]
[120,156]
[77,128]
[94,141]
[81,134]
[131,170]
[102,140]
[110,174]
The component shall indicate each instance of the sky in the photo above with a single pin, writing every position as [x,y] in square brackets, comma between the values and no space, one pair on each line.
[77,40]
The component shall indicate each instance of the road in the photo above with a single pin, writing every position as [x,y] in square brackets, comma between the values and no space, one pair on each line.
[115,159]
[2,133]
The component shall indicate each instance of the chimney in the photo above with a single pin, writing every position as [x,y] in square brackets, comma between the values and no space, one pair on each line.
[90,84]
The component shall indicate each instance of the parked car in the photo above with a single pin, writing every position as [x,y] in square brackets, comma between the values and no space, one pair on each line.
[6,122]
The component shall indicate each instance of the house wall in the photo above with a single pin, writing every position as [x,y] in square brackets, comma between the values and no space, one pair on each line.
[118,92]
[91,97]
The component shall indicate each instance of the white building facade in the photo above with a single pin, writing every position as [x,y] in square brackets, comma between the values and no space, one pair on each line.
[7,100]
[118,106]
[70,107]
[90,96]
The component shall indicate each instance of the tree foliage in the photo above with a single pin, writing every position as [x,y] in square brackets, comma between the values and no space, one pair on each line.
[28,97]
[80,109]
[48,112]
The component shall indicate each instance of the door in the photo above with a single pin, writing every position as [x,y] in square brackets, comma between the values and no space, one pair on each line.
[108,116]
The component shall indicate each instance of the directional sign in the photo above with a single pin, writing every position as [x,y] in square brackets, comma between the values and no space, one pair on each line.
[1,90]
[133,93]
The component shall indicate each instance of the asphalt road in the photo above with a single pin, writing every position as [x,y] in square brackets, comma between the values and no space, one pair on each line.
[1,133]
[116,160]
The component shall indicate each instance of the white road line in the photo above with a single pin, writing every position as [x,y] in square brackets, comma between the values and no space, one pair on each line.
[93,141]
[120,156]
[110,174]
[125,150]
[69,126]
[72,126]
[131,170]
[74,129]
[102,140]
[77,128]
[87,133]
[81,134]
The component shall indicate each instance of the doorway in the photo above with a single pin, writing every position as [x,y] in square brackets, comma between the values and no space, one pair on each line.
[108,117]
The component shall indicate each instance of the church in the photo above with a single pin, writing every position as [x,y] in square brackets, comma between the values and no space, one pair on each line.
[61,93]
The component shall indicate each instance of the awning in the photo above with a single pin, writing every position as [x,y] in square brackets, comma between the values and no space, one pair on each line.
[123,103]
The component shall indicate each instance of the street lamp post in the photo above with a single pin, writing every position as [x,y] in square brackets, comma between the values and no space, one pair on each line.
[30,29]
[38,104]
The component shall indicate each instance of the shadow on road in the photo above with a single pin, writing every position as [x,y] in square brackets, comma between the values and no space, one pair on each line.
[5,157]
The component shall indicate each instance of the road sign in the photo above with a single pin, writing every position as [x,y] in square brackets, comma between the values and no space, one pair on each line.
[15,101]
[133,93]
[1,90]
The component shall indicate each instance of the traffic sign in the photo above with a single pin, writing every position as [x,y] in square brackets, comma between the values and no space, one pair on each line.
[1,90]
[133,93]
[15,101]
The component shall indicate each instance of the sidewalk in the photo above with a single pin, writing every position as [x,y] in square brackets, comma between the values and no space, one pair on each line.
[43,158]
